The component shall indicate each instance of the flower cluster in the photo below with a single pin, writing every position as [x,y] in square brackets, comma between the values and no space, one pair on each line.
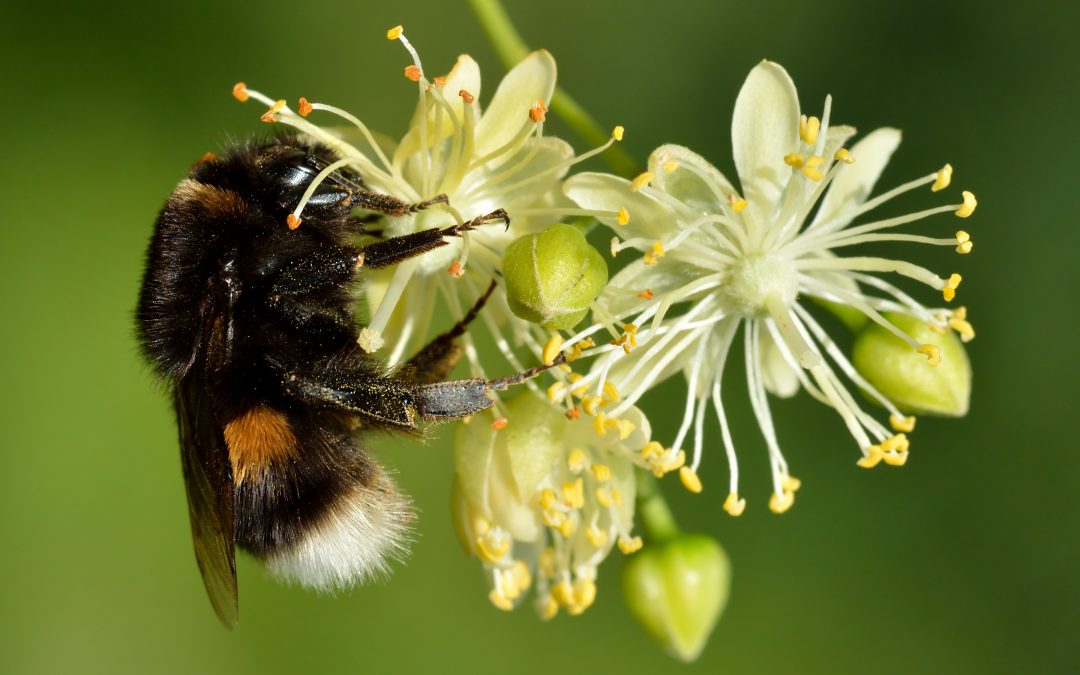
[545,485]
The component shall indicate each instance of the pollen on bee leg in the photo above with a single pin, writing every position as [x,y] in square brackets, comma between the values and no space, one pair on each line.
[902,423]
[932,353]
[240,92]
[942,179]
[690,479]
[968,207]
[734,505]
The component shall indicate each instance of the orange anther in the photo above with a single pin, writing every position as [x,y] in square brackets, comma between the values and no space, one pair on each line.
[500,423]
[293,221]
[647,294]
[240,92]
[304,107]
[538,112]
[413,73]
[466,96]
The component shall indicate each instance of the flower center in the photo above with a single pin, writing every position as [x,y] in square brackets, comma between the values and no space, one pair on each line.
[754,279]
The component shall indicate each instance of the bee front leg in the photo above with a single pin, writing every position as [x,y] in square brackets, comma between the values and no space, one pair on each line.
[398,249]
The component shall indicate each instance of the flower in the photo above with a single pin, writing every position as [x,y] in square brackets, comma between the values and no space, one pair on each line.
[716,259]
[539,496]
[485,162]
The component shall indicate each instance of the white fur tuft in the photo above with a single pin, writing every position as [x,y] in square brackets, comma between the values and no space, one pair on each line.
[353,544]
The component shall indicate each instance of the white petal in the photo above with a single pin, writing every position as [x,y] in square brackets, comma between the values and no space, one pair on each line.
[531,80]
[535,157]
[648,218]
[779,376]
[765,128]
[619,297]
[686,185]
[465,75]
[854,182]
[835,138]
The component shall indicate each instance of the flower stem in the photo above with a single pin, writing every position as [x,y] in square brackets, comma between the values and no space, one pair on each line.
[511,49]
[655,516]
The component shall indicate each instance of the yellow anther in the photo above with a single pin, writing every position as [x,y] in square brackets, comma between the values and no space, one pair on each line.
[629,545]
[690,480]
[268,116]
[522,575]
[641,181]
[779,503]
[896,442]
[963,241]
[964,328]
[584,593]
[623,217]
[733,505]
[902,423]
[738,205]
[580,391]
[492,550]
[548,499]
[394,33]
[968,207]
[944,177]
[556,392]
[617,132]
[932,353]
[574,493]
[652,451]
[563,593]
[808,129]
[791,483]
[812,173]
[508,583]
[951,284]
[671,165]
[896,458]
[815,161]
[602,472]
[546,607]
[604,497]
[553,519]
[599,424]
[590,404]
[656,253]
[568,527]
[795,160]
[596,536]
[871,458]
[456,270]
[611,394]
[551,349]
[547,562]
[625,428]
[844,155]
[576,461]
[481,526]
[500,600]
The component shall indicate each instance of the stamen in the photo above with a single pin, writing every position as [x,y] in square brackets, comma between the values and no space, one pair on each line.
[963,239]
[240,92]
[942,179]
[623,217]
[394,33]
[932,353]
[690,480]
[617,133]
[968,206]
[795,160]
[303,107]
[844,155]
[538,113]
[906,424]
[292,221]
[808,129]
[734,505]
[413,73]
[466,96]
[551,349]
[500,423]
[641,181]
[951,284]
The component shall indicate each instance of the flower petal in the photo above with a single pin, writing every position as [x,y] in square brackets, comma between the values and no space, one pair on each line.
[604,192]
[853,183]
[692,180]
[765,128]
[779,376]
[531,80]
[465,74]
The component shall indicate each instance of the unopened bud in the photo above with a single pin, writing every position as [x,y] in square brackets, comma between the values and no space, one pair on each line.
[904,376]
[677,590]
[552,277]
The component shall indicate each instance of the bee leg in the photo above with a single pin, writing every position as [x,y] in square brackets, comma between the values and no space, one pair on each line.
[390,206]
[397,249]
[435,361]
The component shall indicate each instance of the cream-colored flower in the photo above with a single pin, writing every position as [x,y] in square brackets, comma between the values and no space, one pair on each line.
[716,259]
[541,497]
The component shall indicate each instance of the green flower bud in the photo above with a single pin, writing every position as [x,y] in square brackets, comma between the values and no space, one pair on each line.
[553,276]
[905,377]
[677,589]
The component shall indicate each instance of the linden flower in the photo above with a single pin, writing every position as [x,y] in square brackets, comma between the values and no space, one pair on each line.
[485,162]
[539,496]
[728,259]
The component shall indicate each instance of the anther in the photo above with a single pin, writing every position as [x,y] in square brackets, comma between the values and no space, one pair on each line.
[812,173]
[808,129]
[964,243]
[440,81]
[647,294]
[240,92]
[932,353]
[968,207]
[394,33]
[670,166]
[943,178]
[304,107]
[596,537]
[844,155]
[906,424]
[602,472]
[466,96]
[500,423]
[641,181]
[498,599]
[779,503]
[690,480]
[456,270]
[623,217]
[951,284]
[737,205]
[556,392]
[573,413]
[412,73]
[551,349]
[538,113]
[293,221]
[733,505]
[795,160]
[872,457]
[630,545]
[575,461]
[268,116]
[617,133]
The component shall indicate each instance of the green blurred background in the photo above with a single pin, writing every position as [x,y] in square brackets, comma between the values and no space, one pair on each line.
[964,561]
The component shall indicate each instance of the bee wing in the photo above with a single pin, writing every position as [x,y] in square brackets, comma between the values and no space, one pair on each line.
[208,477]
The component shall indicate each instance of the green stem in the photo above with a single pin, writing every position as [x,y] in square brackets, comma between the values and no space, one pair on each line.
[653,513]
[511,49]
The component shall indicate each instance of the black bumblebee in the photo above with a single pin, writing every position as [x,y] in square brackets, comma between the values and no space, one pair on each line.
[251,323]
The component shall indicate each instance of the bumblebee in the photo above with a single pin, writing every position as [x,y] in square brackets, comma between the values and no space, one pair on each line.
[247,314]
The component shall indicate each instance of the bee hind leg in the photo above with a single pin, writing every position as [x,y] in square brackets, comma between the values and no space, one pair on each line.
[435,361]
